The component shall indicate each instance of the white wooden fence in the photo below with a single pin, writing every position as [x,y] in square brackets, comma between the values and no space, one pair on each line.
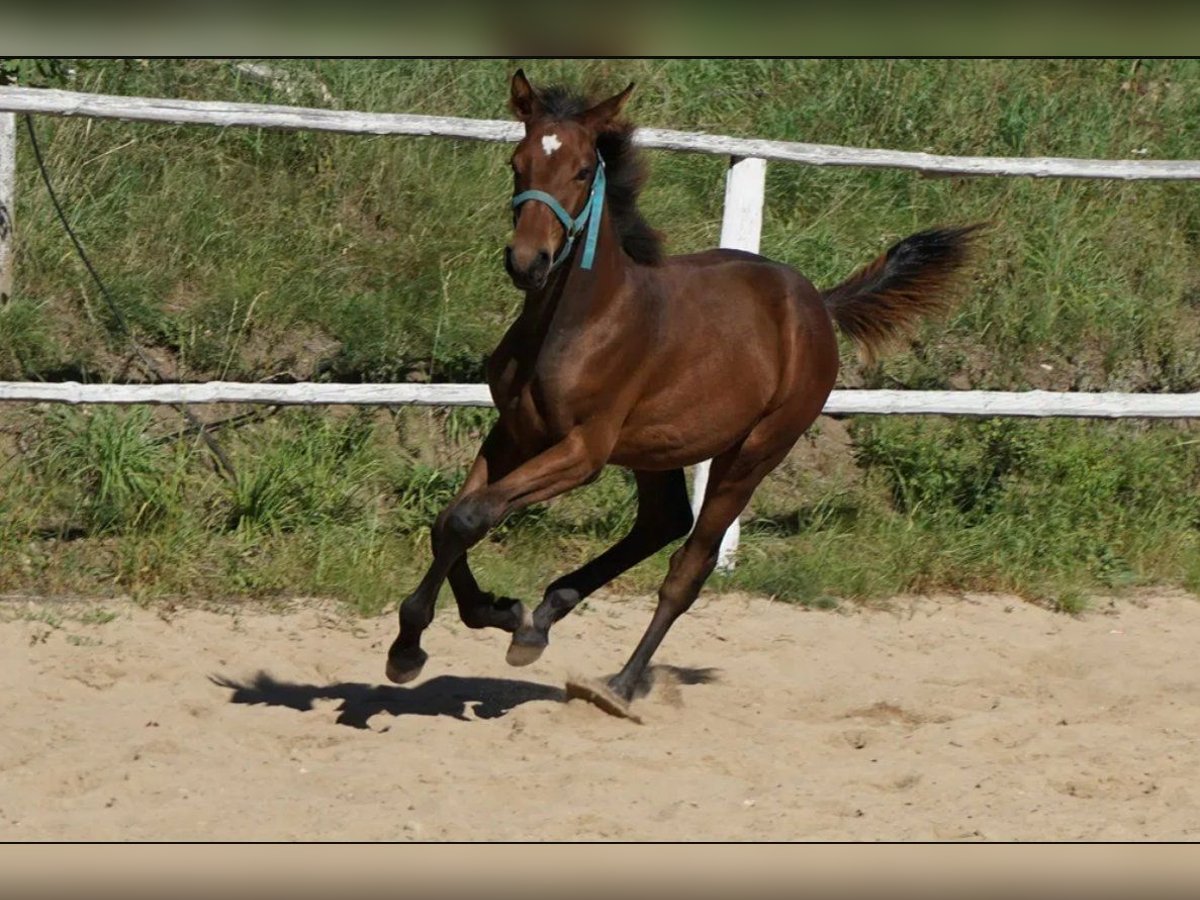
[741,228]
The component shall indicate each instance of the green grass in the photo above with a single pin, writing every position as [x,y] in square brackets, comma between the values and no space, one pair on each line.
[112,475]
[339,506]
[246,254]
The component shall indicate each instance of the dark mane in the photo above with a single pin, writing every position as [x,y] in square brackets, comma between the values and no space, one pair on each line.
[624,168]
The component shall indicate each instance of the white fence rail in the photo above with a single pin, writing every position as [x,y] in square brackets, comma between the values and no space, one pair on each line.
[741,228]
[1035,404]
[299,118]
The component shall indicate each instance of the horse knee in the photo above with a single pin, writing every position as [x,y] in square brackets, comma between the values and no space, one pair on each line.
[464,522]
[437,531]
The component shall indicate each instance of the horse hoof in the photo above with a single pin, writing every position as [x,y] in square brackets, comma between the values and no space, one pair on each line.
[523,654]
[404,667]
[600,694]
[527,644]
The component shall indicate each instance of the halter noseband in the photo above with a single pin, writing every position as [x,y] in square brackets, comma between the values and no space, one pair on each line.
[589,216]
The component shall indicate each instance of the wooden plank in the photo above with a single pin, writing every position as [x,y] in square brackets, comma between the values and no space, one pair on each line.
[302,393]
[1034,404]
[1037,404]
[255,115]
[202,112]
[932,163]
[8,188]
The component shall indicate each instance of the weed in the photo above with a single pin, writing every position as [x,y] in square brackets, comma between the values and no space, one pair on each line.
[115,475]
[420,492]
[97,616]
[320,473]
[1071,601]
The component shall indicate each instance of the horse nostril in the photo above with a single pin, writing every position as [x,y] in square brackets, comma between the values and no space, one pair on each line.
[528,266]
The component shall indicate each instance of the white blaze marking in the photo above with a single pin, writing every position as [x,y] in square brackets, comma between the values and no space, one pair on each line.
[550,143]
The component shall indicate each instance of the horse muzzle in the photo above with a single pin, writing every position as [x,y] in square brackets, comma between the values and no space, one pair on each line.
[527,274]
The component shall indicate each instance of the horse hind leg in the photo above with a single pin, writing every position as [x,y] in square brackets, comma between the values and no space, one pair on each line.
[664,515]
[733,478]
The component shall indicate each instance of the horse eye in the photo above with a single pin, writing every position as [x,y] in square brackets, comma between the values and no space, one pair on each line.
[583,174]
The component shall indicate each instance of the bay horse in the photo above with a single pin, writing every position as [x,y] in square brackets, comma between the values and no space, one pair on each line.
[624,356]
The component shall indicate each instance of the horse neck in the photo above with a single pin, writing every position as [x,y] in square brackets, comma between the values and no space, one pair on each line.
[574,296]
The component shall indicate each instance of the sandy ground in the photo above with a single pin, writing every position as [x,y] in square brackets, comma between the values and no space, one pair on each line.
[977,717]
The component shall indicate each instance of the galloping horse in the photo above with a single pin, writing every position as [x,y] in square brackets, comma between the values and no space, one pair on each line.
[624,356]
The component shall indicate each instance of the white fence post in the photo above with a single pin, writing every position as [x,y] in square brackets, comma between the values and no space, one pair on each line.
[8,191]
[741,229]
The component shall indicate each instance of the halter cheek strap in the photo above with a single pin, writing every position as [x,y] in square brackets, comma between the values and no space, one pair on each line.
[573,225]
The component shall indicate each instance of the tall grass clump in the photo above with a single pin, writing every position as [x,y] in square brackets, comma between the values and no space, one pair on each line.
[317,473]
[108,471]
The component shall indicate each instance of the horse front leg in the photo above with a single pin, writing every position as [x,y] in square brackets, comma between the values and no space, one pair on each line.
[565,465]
[476,607]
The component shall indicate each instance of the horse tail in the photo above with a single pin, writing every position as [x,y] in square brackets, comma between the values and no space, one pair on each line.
[883,300]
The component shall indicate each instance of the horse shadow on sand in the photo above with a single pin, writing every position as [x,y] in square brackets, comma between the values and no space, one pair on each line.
[445,695]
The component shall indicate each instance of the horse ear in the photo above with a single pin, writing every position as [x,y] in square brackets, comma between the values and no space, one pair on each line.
[603,114]
[524,100]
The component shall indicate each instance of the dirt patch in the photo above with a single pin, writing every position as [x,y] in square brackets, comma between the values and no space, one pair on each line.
[979,717]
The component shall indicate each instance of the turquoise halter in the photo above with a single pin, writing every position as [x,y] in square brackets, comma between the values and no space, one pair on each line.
[589,216]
